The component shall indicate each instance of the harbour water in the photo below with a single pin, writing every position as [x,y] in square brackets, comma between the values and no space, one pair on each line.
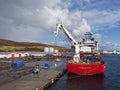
[109,81]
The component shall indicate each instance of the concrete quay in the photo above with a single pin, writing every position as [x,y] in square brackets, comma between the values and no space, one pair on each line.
[40,81]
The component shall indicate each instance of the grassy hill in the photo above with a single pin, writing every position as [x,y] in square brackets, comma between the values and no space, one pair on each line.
[10,46]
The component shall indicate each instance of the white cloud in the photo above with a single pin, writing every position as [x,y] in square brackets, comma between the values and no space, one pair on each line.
[98,36]
[82,28]
[30,20]
[102,18]
[37,16]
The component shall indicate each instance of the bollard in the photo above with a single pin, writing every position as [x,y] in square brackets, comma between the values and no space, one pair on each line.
[52,81]
[36,88]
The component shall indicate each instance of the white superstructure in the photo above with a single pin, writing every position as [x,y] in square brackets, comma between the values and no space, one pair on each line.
[88,44]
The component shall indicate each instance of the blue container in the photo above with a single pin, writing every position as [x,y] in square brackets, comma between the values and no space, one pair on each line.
[17,64]
[46,65]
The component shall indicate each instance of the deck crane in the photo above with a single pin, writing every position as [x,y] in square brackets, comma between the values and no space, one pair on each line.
[69,36]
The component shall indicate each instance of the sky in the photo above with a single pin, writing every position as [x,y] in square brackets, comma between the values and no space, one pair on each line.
[35,21]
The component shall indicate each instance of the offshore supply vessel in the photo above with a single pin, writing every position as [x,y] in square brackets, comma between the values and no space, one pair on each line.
[86,59]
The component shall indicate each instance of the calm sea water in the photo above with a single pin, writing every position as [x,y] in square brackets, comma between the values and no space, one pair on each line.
[109,81]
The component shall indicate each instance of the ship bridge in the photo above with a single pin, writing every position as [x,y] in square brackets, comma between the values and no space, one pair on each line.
[88,44]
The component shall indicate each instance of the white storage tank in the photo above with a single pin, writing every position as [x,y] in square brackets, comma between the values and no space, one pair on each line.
[56,51]
[46,49]
[51,49]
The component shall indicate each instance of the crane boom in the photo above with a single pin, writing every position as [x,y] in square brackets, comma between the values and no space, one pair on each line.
[61,27]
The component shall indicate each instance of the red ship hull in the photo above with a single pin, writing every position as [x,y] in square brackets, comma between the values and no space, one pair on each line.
[86,69]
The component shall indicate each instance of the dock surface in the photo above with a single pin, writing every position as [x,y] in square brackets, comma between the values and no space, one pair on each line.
[30,81]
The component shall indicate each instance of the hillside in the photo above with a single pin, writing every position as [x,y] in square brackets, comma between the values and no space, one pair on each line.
[4,42]
[9,45]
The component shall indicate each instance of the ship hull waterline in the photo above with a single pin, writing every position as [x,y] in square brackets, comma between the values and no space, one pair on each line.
[86,69]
